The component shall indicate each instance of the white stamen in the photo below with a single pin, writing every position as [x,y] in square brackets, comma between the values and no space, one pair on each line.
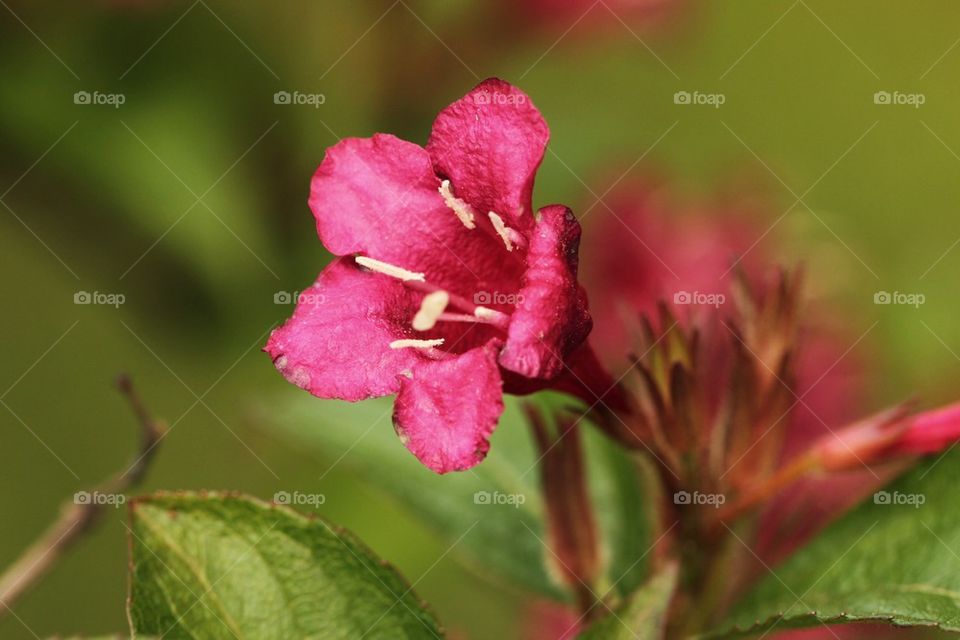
[458,317]
[388,269]
[506,233]
[485,314]
[418,344]
[463,210]
[432,307]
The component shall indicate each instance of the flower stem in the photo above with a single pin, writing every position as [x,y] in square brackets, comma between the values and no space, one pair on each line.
[767,488]
[76,518]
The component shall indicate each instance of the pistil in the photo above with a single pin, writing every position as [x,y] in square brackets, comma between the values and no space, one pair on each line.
[431,310]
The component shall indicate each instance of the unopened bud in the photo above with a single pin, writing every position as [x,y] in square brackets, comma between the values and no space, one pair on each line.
[931,431]
[863,442]
[571,526]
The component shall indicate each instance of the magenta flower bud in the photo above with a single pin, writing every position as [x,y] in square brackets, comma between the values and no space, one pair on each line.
[888,436]
[862,443]
[931,431]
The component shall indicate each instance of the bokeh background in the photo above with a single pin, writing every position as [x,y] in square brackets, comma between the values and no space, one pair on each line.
[189,200]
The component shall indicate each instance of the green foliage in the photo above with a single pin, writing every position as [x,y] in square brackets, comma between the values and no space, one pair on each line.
[505,540]
[225,566]
[883,561]
[502,538]
[643,617]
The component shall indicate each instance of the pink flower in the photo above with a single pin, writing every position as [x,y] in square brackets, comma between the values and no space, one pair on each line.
[448,289]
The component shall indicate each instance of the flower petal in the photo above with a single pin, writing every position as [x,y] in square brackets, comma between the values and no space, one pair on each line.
[379,197]
[551,318]
[490,144]
[337,344]
[447,409]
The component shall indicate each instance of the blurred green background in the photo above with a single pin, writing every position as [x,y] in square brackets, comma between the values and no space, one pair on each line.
[190,200]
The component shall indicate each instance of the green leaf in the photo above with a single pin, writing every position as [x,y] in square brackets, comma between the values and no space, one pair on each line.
[506,540]
[225,566]
[624,493]
[503,539]
[643,616]
[896,562]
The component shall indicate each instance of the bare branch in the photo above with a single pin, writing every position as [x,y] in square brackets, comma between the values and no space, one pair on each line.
[79,516]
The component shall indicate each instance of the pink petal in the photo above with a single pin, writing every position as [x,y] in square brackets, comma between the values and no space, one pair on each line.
[490,144]
[551,318]
[337,344]
[447,409]
[932,431]
[378,197]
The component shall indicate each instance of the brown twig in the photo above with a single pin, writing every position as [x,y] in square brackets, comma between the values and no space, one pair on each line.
[82,513]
